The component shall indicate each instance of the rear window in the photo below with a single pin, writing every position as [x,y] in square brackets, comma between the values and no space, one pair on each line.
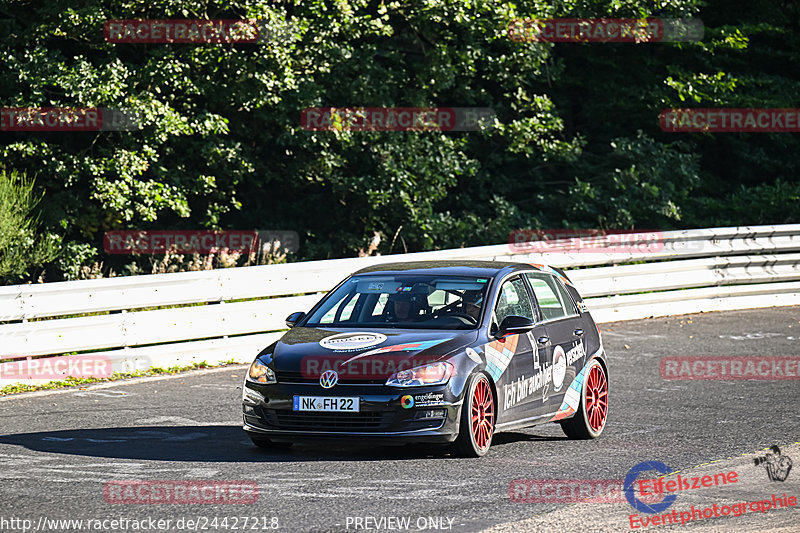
[553,299]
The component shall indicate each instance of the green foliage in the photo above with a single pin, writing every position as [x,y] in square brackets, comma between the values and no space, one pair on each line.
[22,247]
[639,182]
[576,142]
[75,255]
[771,203]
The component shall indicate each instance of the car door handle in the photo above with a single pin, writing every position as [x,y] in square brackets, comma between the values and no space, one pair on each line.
[578,332]
[543,340]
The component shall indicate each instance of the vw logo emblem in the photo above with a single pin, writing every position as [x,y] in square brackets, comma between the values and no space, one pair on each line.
[328,379]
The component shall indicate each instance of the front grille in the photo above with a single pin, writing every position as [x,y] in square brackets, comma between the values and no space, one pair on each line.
[293,377]
[311,421]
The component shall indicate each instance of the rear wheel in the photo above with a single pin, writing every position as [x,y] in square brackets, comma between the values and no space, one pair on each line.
[477,419]
[263,442]
[589,421]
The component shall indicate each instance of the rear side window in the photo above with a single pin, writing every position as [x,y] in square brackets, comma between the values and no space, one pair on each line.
[553,299]
[566,299]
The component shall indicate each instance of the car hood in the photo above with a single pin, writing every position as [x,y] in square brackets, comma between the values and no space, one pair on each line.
[361,354]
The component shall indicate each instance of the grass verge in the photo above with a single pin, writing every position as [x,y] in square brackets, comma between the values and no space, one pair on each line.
[70,381]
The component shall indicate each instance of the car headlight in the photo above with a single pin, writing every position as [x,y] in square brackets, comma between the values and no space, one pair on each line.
[432,374]
[261,373]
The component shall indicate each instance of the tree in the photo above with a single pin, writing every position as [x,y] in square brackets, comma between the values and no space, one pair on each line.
[21,246]
[576,142]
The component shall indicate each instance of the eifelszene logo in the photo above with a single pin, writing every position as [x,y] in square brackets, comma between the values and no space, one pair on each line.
[631,480]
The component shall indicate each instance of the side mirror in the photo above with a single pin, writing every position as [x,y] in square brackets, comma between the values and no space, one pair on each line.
[294,318]
[514,325]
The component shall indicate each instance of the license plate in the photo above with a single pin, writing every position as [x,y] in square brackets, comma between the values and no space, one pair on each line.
[325,404]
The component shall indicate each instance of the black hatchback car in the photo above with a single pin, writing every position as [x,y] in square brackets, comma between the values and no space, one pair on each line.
[435,352]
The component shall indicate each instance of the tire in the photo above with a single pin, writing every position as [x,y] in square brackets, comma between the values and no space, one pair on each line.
[478,416]
[589,422]
[263,442]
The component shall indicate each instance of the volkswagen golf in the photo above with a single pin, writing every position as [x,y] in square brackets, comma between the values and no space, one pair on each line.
[447,352]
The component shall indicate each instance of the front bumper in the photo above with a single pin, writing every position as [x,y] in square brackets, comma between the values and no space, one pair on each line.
[267,411]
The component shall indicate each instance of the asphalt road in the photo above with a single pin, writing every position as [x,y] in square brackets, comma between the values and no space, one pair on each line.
[58,450]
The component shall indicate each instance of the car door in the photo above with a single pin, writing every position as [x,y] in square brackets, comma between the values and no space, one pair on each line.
[513,353]
[564,330]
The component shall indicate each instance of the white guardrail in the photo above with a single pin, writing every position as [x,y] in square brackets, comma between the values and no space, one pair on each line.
[692,271]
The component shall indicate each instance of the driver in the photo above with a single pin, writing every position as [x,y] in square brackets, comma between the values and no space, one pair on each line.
[402,307]
[473,303]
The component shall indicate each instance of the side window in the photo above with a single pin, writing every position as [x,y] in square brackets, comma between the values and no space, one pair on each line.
[438,299]
[566,299]
[547,294]
[513,300]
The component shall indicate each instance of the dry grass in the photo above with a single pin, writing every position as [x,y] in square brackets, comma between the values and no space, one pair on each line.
[268,254]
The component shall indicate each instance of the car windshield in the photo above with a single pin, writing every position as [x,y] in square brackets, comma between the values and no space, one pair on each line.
[404,301]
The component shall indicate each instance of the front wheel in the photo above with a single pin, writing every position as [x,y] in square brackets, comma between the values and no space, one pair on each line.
[589,421]
[477,419]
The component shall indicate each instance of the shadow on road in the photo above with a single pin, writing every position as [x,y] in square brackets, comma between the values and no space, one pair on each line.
[508,438]
[219,444]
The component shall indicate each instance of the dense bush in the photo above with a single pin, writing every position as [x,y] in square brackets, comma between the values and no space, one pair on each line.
[576,142]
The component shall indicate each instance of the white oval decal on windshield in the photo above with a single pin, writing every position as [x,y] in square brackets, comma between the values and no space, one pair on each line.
[352,341]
